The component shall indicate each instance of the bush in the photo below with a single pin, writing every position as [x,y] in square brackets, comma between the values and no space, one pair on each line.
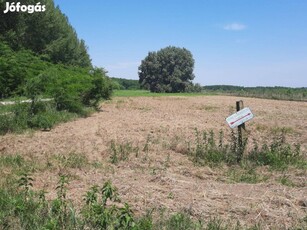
[101,88]
[41,115]
[73,92]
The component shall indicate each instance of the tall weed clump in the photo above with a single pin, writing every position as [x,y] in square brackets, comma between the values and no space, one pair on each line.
[122,151]
[278,154]
[22,208]
[208,149]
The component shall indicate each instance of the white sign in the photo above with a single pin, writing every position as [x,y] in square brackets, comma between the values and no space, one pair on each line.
[239,117]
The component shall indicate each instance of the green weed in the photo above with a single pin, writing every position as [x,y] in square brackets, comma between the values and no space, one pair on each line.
[72,160]
[278,154]
[212,151]
[11,161]
[25,182]
[245,175]
[207,150]
[285,180]
[181,221]
[121,152]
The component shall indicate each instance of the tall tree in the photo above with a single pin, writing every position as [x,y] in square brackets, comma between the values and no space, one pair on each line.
[48,34]
[167,70]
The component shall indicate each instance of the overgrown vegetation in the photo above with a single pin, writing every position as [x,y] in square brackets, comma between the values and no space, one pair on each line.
[42,57]
[72,92]
[207,150]
[277,154]
[125,84]
[21,207]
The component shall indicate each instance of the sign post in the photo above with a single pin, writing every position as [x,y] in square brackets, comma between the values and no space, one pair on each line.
[239,105]
[238,119]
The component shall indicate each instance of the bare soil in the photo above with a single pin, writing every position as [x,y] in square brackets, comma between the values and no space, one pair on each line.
[158,175]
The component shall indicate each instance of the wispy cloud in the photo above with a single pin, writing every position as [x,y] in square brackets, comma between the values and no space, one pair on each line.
[235,26]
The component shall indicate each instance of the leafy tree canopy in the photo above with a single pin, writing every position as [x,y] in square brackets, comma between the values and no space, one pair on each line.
[167,70]
[48,34]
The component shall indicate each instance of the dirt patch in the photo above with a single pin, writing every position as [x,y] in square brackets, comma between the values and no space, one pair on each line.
[155,173]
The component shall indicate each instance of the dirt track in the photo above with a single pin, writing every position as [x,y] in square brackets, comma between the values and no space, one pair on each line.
[162,176]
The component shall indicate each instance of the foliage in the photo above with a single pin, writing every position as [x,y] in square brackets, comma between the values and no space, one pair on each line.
[48,34]
[167,70]
[126,84]
[21,117]
[26,182]
[207,150]
[35,212]
[245,173]
[99,214]
[16,68]
[278,154]
[72,91]
[101,88]
[41,56]
[194,88]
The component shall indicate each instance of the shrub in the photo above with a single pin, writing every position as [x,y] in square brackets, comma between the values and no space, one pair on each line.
[73,91]
[101,88]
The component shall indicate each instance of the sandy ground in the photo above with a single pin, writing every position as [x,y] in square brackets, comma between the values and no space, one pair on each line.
[160,176]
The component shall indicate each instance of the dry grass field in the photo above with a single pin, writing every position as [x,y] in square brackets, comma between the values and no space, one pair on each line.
[154,171]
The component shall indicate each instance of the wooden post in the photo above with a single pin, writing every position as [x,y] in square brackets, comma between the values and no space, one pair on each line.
[239,106]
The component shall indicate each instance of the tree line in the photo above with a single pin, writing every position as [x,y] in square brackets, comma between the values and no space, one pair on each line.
[277,92]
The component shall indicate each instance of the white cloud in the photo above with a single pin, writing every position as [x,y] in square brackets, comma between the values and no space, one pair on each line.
[235,26]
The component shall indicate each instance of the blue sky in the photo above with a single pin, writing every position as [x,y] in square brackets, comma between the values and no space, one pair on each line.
[236,42]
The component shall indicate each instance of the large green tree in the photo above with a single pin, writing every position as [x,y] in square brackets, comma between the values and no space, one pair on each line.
[30,43]
[48,34]
[167,70]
